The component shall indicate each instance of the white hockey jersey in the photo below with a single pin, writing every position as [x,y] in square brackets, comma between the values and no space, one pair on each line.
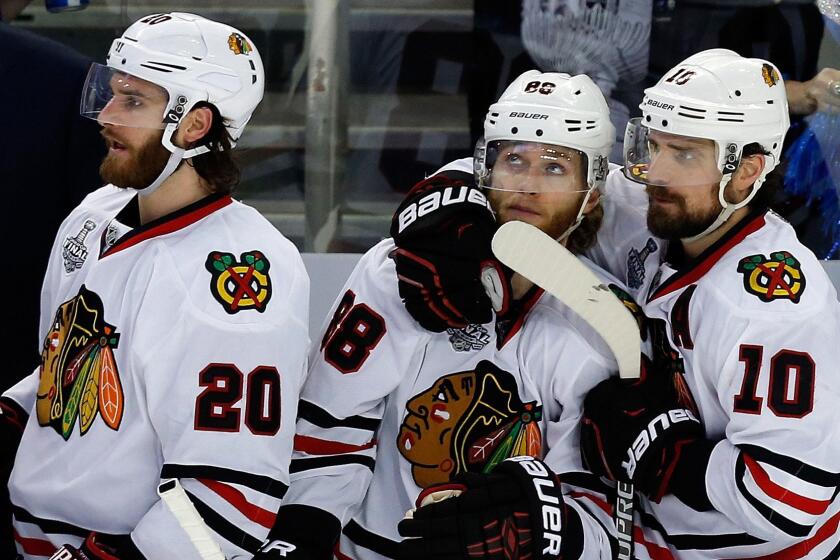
[171,350]
[422,407]
[754,323]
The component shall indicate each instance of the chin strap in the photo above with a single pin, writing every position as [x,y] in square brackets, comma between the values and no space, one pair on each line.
[177,156]
[578,220]
[728,208]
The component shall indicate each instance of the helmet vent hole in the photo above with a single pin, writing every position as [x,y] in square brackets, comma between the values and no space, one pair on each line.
[571,121]
[647,118]
[539,132]
[769,101]
[123,61]
[664,122]
[577,92]
[775,144]
[514,130]
[737,93]
[253,78]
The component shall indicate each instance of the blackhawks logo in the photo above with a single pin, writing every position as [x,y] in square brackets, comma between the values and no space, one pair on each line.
[467,421]
[779,277]
[239,44]
[770,75]
[79,377]
[239,285]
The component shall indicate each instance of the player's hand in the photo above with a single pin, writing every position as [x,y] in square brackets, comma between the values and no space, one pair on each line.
[517,511]
[301,533]
[445,267]
[635,430]
[820,93]
[100,547]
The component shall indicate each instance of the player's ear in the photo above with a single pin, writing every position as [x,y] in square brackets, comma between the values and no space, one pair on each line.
[743,179]
[594,199]
[195,125]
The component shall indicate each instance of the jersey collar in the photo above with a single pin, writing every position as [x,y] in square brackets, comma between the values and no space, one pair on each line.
[509,324]
[169,223]
[690,271]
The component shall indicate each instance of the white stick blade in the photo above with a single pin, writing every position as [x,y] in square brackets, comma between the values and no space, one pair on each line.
[174,497]
[545,262]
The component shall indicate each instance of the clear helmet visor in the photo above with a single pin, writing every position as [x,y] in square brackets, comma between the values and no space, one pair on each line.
[534,167]
[113,97]
[653,157]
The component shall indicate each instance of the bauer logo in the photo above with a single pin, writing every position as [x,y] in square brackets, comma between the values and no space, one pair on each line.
[646,438]
[537,116]
[658,104]
[435,200]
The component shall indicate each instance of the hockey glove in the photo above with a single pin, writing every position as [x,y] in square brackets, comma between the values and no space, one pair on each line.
[445,267]
[517,511]
[301,532]
[637,430]
[101,547]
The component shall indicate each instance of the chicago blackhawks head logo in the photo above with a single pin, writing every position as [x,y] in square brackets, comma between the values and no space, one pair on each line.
[779,277]
[79,376]
[467,421]
[239,285]
[770,75]
[239,44]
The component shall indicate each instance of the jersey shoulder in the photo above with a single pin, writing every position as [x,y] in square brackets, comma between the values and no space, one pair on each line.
[97,207]
[769,272]
[235,266]
[374,281]
[463,165]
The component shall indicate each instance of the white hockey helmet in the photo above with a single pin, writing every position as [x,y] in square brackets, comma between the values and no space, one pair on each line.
[551,108]
[715,95]
[193,59]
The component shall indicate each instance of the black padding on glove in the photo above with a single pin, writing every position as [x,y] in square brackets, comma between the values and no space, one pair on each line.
[442,232]
[516,511]
[637,430]
[301,532]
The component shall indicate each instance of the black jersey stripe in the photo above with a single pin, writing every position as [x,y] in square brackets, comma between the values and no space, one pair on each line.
[777,519]
[259,483]
[314,414]
[224,528]
[49,526]
[300,465]
[370,540]
[793,467]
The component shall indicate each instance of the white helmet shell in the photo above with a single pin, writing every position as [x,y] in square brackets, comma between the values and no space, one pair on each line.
[719,95]
[195,59]
[552,108]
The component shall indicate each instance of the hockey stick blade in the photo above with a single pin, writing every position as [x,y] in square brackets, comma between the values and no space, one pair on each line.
[174,497]
[545,262]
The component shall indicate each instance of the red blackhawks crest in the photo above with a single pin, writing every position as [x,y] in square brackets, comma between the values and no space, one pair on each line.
[79,377]
[467,421]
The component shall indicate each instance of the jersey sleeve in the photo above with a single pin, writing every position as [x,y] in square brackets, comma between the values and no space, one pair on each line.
[221,392]
[776,472]
[367,346]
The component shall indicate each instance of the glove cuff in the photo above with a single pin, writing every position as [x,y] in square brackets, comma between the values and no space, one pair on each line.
[548,509]
[306,527]
[688,480]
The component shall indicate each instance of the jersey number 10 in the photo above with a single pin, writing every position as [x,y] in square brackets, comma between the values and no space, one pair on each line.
[791,385]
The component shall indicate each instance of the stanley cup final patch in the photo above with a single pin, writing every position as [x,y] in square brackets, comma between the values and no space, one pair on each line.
[239,285]
[777,277]
[73,250]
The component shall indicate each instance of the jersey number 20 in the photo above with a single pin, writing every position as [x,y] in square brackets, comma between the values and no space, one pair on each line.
[216,407]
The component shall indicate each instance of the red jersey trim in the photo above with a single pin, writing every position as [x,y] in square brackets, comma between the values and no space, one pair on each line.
[238,500]
[782,494]
[707,260]
[170,223]
[315,446]
[35,547]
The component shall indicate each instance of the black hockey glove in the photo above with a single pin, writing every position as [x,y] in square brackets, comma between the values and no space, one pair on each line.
[301,532]
[101,547]
[517,511]
[442,232]
[638,430]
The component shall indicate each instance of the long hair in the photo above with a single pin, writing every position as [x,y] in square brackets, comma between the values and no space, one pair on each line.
[218,166]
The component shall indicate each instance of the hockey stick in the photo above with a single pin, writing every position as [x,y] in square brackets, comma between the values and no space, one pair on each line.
[548,264]
[174,497]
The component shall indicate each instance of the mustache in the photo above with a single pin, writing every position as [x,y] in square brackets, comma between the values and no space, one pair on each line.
[661,192]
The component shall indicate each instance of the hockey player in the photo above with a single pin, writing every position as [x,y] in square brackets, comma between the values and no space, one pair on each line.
[740,310]
[173,319]
[739,306]
[415,374]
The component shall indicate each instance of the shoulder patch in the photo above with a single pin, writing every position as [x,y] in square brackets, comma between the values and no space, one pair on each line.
[242,285]
[777,277]
[73,250]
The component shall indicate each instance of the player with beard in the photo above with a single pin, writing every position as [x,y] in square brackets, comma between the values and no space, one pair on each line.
[162,309]
[421,377]
[738,307]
